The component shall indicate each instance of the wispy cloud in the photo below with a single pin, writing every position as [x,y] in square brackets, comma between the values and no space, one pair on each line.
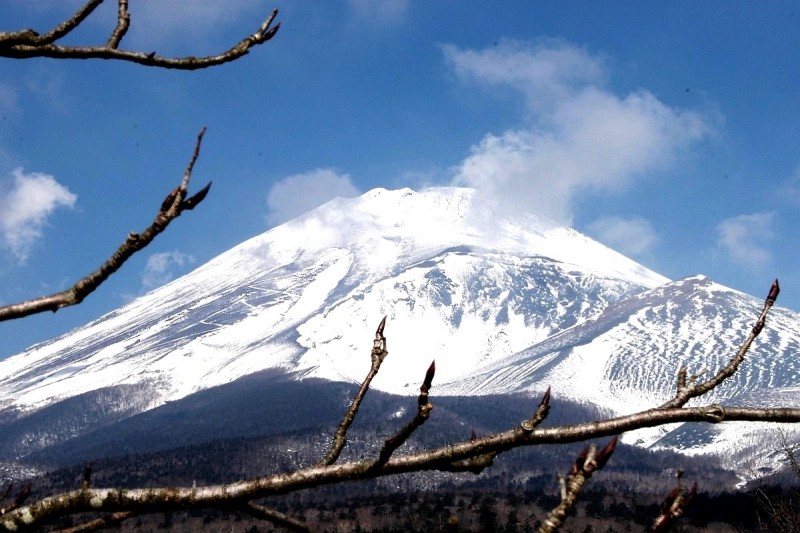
[26,203]
[790,190]
[546,73]
[632,236]
[745,239]
[379,11]
[294,195]
[164,23]
[582,137]
[162,268]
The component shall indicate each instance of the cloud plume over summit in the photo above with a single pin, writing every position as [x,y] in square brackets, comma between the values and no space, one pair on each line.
[578,137]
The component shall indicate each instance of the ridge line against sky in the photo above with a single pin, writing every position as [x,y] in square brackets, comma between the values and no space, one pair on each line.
[672,140]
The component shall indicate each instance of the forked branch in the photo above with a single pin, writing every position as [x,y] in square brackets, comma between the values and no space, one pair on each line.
[378,354]
[172,207]
[423,413]
[688,390]
[588,462]
[28,43]
[674,505]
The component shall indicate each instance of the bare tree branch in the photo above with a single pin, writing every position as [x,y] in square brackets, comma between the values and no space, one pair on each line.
[111,520]
[123,23]
[276,517]
[377,356]
[159,499]
[587,463]
[673,506]
[691,390]
[423,413]
[31,38]
[28,43]
[21,497]
[173,206]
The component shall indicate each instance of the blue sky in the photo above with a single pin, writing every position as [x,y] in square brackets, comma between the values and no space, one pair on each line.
[669,131]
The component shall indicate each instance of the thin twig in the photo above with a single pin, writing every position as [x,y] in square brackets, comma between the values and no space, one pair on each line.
[378,354]
[673,506]
[31,38]
[686,391]
[123,23]
[27,43]
[159,499]
[111,520]
[276,517]
[423,413]
[588,462]
[134,243]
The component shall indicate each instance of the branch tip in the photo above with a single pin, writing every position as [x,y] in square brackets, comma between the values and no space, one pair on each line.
[426,384]
[23,495]
[87,476]
[605,454]
[774,291]
[545,398]
[198,197]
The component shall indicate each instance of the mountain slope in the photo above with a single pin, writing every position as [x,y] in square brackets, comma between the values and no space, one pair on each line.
[306,296]
[504,305]
[627,359]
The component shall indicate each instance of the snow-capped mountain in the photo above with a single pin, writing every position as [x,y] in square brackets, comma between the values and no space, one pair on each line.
[503,304]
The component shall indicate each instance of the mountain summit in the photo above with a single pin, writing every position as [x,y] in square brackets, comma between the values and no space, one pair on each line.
[307,295]
[503,304]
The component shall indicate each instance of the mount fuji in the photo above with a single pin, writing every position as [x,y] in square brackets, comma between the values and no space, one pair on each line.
[504,304]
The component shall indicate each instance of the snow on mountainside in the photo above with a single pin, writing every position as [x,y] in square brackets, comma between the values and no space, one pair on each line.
[307,296]
[503,305]
[627,359]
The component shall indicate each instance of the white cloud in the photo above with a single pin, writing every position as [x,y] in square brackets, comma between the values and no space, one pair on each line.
[583,139]
[545,73]
[162,268]
[745,239]
[294,195]
[630,236]
[25,205]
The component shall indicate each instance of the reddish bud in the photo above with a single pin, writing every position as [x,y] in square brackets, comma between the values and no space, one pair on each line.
[426,385]
[379,331]
[774,291]
[580,461]
[87,475]
[272,31]
[546,398]
[474,436]
[605,454]
[23,495]
[192,202]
